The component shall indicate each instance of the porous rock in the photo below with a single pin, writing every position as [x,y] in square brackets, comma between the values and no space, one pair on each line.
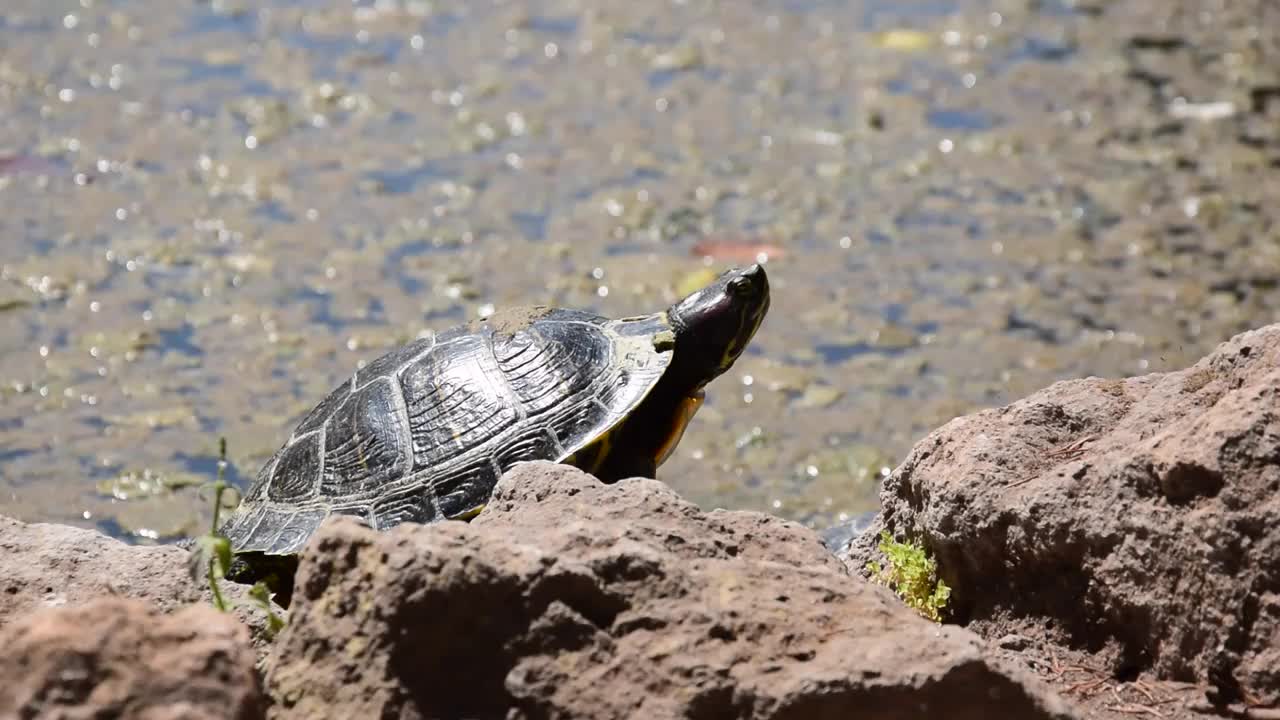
[569,598]
[120,658]
[1136,519]
[49,565]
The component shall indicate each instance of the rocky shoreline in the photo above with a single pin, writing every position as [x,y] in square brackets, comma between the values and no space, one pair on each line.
[1113,548]
[1136,521]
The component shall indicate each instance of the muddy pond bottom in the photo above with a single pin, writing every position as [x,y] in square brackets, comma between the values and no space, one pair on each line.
[213,213]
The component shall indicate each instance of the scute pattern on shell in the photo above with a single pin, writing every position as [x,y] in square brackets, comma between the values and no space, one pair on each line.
[423,433]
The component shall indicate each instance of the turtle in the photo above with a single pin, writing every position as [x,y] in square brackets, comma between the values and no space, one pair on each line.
[423,433]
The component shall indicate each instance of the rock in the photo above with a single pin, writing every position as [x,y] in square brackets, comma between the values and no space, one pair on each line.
[47,565]
[1014,641]
[1136,519]
[570,598]
[119,658]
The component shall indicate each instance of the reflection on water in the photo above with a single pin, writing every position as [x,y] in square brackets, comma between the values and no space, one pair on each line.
[213,212]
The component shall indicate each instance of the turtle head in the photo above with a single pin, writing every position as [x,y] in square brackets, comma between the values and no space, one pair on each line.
[714,324]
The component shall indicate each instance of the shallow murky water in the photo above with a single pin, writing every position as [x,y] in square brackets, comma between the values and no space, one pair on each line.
[212,212]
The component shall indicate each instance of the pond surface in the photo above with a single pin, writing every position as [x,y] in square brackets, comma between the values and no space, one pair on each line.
[212,212]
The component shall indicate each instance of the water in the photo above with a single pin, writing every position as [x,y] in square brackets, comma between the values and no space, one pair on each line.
[213,212]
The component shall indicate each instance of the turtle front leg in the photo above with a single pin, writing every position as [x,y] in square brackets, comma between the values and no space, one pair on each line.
[648,438]
[618,467]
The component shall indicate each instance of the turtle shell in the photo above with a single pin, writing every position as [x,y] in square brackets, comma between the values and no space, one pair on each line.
[424,432]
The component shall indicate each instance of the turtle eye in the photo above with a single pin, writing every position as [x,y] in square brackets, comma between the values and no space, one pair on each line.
[739,286]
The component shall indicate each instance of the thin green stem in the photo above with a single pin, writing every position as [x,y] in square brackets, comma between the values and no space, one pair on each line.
[219,485]
[218,601]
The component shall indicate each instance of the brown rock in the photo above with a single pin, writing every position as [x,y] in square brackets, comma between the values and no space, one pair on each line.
[116,658]
[569,598]
[47,565]
[1138,519]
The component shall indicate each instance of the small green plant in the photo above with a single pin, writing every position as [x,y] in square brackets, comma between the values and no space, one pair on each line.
[913,575]
[211,556]
[261,596]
